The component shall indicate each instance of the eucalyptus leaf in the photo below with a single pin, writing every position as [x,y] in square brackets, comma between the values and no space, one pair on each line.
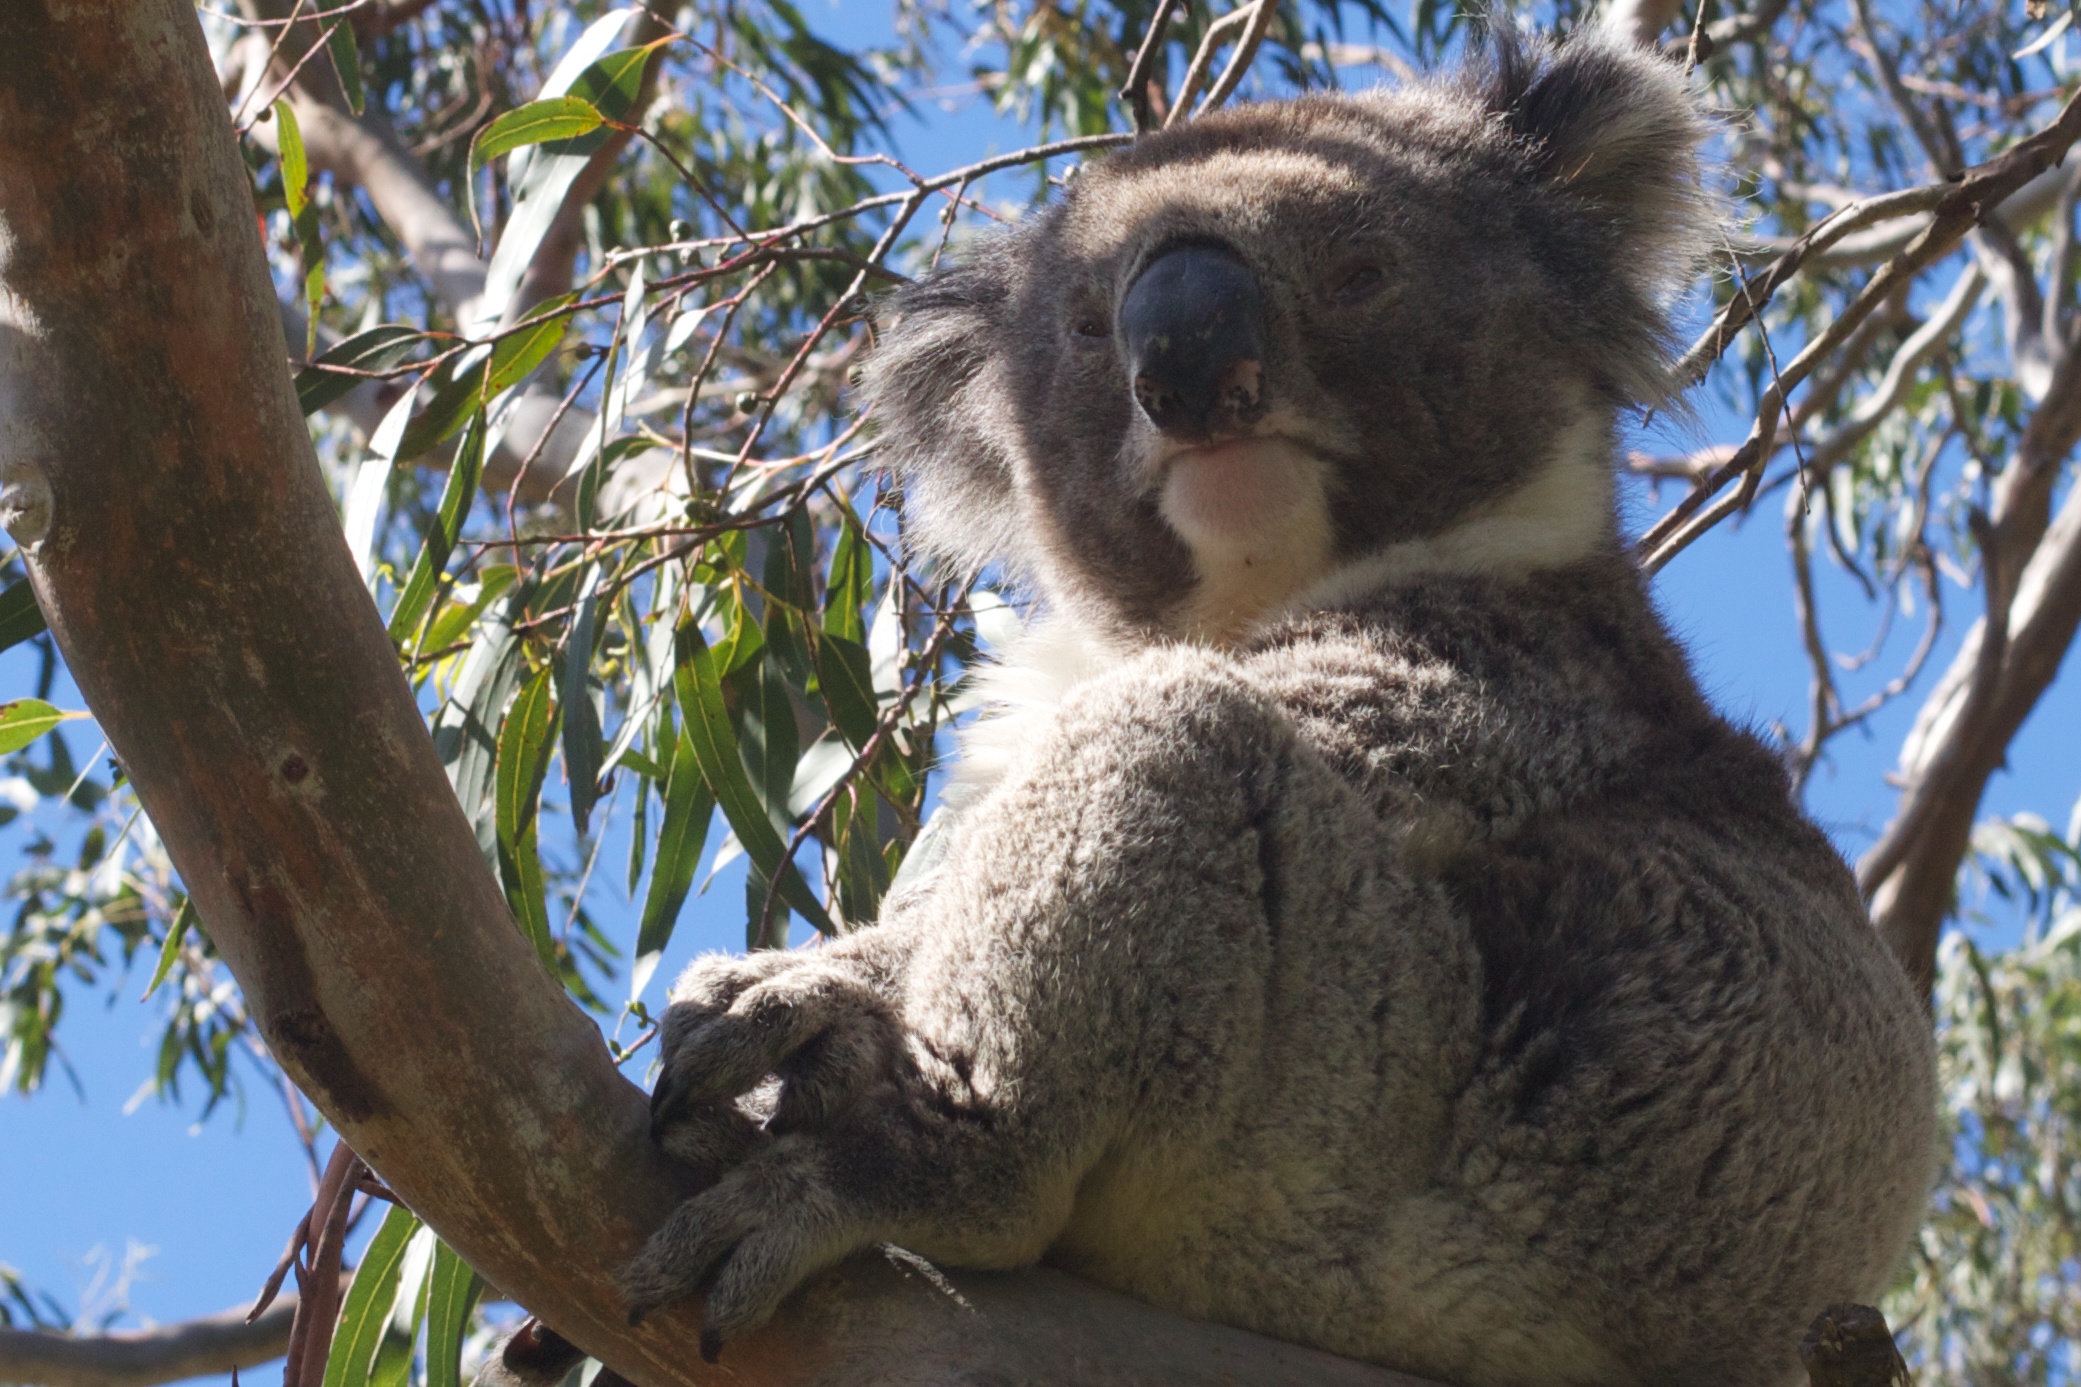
[366,1310]
[707,725]
[451,1293]
[20,617]
[439,541]
[23,720]
[378,349]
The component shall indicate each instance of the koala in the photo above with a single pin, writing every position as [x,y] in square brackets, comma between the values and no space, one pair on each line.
[1354,925]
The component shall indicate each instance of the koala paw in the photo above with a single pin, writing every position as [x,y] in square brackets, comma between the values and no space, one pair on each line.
[813,1022]
[751,1238]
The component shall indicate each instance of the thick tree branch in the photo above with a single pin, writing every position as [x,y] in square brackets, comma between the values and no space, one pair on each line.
[157,475]
[1963,731]
[146,1357]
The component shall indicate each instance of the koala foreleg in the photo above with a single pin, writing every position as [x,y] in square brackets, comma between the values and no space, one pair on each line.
[1093,955]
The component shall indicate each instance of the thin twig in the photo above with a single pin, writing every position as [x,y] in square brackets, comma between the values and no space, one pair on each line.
[1135,90]
[1960,208]
[1239,61]
[1203,59]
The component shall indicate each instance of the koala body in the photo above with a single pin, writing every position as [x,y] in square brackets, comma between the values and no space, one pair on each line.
[1356,926]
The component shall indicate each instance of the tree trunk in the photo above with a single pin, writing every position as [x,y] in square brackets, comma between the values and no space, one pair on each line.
[159,479]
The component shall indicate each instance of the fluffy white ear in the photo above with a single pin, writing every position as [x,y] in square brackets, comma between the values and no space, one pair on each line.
[1614,125]
[928,383]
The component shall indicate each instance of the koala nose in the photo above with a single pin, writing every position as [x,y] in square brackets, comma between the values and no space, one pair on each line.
[1189,324]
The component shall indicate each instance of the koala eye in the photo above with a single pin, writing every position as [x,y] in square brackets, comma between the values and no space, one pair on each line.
[1358,284]
[1092,328]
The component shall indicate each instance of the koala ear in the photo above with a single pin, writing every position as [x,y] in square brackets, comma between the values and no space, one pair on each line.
[929,384]
[1614,125]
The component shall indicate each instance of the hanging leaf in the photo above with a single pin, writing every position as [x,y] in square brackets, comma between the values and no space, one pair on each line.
[706,722]
[846,680]
[20,617]
[439,543]
[742,636]
[689,806]
[369,1300]
[523,757]
[584,747]
[458,616]
[541,179]
[451,1293]
[346,61]
[170,947]
[458,393]
[850,589]
[296,166]
[296,195]
[863,877]
[465,726]
[393,1366]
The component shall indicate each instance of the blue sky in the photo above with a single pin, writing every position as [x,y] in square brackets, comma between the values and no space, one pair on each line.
[216,1199]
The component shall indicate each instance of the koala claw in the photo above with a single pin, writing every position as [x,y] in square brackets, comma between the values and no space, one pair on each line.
[751,1238]
[815,1023]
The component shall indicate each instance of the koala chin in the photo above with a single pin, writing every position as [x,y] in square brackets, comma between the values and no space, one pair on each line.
[1356,927]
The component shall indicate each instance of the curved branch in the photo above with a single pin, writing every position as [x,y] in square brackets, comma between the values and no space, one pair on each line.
[158,477]
[2004,666]
[147,1357]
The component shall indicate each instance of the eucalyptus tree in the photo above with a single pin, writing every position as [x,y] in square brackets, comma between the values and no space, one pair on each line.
[573,296]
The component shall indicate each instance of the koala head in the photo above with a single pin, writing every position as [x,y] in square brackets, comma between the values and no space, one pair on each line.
[1247,352]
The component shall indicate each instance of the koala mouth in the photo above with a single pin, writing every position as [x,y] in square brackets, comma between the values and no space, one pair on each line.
[1237,495]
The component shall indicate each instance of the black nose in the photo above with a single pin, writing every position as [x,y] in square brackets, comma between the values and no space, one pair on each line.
[1190,325]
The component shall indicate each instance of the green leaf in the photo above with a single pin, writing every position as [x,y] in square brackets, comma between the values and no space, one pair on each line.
[465,729]
[170,948]
[515,356]
[689,807]
[312,251]
[850,590]
[296,166]
[706,723]
[539,186]
[377,349]
[20,617]
[450,1293]
[742,637]
[523,757]
[296,195]
[439,543]
[642,765]
[845,676]
[458,393]
[25,719]
[369,1300]
[557,118]
[457,617]
[346,61]
[584,746]
[863,878]
[393,1366]
[769,738]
